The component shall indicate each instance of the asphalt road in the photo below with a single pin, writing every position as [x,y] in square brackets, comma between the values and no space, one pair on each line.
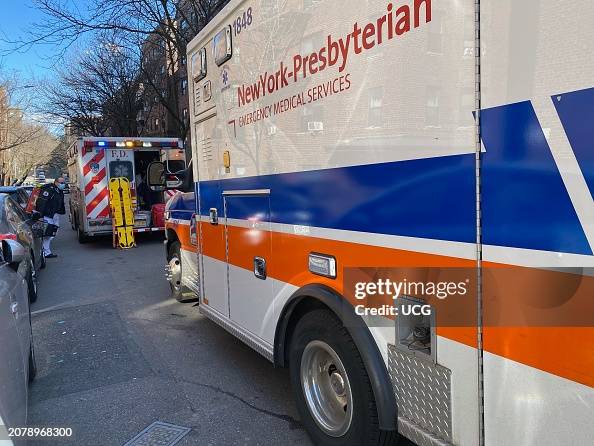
[115,353]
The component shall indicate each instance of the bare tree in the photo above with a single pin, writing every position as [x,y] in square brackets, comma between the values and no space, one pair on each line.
[19,134]
[35,152]
[97,92]
[12,108]
[134,22]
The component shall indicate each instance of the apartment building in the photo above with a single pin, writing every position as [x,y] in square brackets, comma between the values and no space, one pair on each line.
[164,93]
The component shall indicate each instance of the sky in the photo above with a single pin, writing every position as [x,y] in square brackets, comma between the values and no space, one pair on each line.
[16,17]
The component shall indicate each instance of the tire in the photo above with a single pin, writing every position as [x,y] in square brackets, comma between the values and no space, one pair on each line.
[32,281]
[32,364]
[43,261]
[174,261]
[335,401]
[80,235]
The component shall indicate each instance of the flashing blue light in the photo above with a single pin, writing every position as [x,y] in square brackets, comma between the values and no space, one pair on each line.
[101,143]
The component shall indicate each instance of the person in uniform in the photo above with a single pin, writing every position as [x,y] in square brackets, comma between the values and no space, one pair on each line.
[50,204]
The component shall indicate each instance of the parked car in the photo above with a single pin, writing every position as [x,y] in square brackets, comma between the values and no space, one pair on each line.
[26,228]
[17,354]
[20,194]
[28,188]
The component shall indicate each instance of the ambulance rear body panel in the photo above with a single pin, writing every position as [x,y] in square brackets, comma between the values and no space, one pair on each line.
[350,129]
[92,161]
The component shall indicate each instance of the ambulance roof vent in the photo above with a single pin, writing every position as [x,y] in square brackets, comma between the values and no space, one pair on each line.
[207,152]
[197,96]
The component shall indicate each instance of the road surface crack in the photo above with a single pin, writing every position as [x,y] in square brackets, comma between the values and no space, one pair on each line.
[293,423]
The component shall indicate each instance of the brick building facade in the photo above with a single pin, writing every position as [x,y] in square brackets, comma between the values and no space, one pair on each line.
[164,90]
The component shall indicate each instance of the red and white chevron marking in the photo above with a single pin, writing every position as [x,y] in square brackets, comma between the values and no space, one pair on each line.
[169,194]
[95,184]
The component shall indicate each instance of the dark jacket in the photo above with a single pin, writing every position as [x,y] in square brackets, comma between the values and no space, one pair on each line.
[50,201]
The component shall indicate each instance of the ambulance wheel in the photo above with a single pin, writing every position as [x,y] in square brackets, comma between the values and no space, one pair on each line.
[80,234]
[174,264]
[332,389]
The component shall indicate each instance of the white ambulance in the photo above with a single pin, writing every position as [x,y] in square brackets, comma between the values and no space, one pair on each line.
[92,161]
[332,135]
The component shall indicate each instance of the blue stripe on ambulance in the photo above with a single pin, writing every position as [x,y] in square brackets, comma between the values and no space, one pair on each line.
[576,111]
[426,198]
[525,203]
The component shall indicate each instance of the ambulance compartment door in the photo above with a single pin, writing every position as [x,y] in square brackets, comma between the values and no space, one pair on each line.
[247,226]
[212,247]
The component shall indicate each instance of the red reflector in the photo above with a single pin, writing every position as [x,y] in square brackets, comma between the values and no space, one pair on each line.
[8,237]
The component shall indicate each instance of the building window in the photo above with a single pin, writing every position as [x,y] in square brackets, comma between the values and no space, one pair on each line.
[432,107]
[183,60]
[309,43]
[185,114]
[467,99]
[163,69]
[157,123]
[184,86]
[312,118]
[309,3]
[376,116]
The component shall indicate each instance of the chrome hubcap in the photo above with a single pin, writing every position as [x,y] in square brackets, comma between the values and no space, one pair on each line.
[175,273]
[326,388]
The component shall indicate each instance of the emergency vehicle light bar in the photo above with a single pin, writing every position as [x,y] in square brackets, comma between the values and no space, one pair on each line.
[130,144]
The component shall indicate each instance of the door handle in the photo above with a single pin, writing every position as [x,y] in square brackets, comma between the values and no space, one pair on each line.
[214,216]
[14,308]
[260,268]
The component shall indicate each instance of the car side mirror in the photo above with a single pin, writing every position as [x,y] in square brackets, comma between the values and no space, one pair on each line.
[155,175]
[187,180]
[12,251]
[159,179]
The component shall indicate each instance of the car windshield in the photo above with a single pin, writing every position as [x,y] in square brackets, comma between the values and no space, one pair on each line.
[21,197]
